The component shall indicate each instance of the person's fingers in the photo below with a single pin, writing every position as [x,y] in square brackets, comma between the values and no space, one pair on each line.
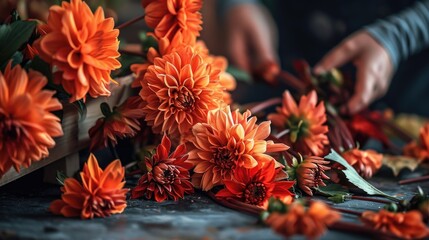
[238,50]
[337,57]
[364,90]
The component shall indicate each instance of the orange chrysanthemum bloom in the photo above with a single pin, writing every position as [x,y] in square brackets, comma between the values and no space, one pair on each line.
[365,162]
[309,173]
[419,150]
[122,122]
[178,91]
[27,126]
[305,121]
[221,64]
[227,140]
[82,46]
[256,185]
[169,17]
[100,194]
[168,174]
[408,225]
[311,222]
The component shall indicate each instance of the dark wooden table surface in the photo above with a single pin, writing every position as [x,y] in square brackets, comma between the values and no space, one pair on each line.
[25,216]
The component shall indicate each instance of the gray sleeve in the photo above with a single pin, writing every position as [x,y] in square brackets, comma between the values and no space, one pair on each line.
[405,33]
[224,5]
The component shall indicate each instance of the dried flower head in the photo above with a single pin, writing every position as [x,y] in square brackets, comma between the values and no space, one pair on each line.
[178,91]
[408,225]
[169,17]
[227,140]
[256,185]
[309,173]
[311,222]
[83,46]
[365,162]
[420,149]
[122,122]
[100,194]
[168,174]
[27,126]
[306,123]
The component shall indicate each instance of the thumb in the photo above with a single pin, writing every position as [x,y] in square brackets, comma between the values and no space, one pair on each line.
[337,57]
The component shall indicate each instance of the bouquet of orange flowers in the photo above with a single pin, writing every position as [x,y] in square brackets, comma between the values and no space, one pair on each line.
[203,140]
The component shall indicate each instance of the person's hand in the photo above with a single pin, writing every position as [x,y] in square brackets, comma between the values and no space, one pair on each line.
[251,37]
[373,65]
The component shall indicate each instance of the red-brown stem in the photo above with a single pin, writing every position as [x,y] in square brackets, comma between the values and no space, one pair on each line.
[138,54]
[135,172]
[233,205]
[348,211]
[130,22]
[265,104]
[292,81]
[361,230]
[371,199]
[414,180]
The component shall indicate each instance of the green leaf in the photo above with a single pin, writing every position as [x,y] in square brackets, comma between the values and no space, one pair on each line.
[355,178]
[126,62]
[61,177]
[41,66]
[12,37]
[239,75]
[81,107]
[147,41]
[334,192]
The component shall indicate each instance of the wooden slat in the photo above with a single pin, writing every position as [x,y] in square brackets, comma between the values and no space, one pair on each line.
[75,130]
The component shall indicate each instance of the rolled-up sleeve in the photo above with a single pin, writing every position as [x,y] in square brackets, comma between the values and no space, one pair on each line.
[405,33]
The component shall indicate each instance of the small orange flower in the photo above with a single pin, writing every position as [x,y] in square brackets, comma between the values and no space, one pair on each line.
[82,46]
[305,121]
[169,17]
[30,52]
[27,126]
[256,185]
[167,176]
[311,222]
[408,225]
[122,122]
[310,173]
[419,150]
[227,140]
[178,91]
[365,162]
[100,194]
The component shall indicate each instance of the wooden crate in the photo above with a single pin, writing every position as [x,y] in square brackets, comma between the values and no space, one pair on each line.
[65,155]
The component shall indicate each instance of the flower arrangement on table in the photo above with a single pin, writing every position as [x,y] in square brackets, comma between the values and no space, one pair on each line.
[202,140]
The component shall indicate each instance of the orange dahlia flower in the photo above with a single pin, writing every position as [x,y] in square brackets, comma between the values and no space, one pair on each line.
[310,173]
[168,174]
[82,46]
[365,162]
[178,91]
[408,225]
[306,123]
[256,185]
[27,126]
[420,149]
[227,140]
[311,222]
[169,17]
[100,194]
[122,122]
